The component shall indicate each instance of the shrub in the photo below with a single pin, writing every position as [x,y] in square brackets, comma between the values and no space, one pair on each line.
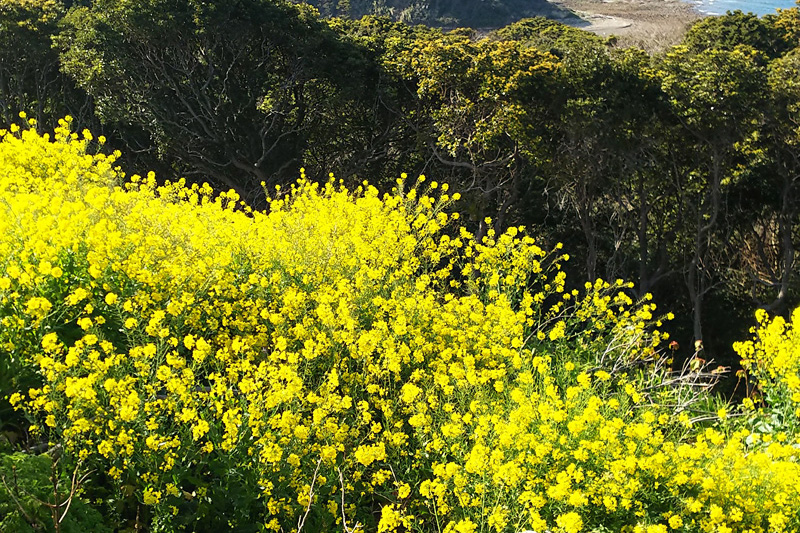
[772,357]
[347,358]
[34,496]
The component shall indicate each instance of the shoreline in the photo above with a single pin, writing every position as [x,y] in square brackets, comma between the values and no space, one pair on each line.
[653,25]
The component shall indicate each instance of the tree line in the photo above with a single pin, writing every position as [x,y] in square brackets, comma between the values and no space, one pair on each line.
[444,13]
[679,171]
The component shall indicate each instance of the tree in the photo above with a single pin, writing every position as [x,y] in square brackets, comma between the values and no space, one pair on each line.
[716,95]
[229,92]
[770,236]
[736,28]
[447,13]
[547,35]
[366,130]
[479,105]
[30,80]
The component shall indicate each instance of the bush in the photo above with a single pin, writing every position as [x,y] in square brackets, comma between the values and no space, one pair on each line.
[34,496]
[347,358]
[773,359]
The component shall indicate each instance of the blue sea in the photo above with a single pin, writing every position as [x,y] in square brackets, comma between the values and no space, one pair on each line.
[759,7]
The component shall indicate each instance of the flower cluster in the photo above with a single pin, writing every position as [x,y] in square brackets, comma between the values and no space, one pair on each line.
[773,359]
[346,358]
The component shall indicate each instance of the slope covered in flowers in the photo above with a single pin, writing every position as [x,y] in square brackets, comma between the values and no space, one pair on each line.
[346,359]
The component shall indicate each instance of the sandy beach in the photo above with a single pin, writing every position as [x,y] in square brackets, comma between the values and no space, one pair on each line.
[649,24]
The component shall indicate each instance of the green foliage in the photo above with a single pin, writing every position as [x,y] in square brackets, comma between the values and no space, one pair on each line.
[715,91]
[787,22]
[548,35]
[239,106]
[449,13]
[772,358]
[473,89]
[482,100]
[726,32]
[30,79]
[35,494]
[784,80]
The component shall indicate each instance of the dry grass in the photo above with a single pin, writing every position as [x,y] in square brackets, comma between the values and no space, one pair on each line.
[652,25]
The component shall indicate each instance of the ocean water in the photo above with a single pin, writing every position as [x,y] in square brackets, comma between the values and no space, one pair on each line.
[759,7]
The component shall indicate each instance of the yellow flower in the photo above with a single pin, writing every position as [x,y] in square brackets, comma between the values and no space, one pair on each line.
[570,522]
[465,526]
[151,496]
[675,522]
[368,454]
[409,392]
[391,519]
[360,330]
[199,429]
[38,307]
[77,296]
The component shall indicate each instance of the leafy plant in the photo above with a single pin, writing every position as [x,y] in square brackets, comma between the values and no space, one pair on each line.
[36,495]
[772,357]
[349,358]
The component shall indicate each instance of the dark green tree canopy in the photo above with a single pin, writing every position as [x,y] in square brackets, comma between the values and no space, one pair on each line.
[231,91]
[734,29]
[448,13]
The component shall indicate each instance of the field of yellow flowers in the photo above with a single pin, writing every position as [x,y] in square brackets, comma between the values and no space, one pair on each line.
[349,362]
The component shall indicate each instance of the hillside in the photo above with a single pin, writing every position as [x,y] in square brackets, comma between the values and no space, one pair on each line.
[448,13]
